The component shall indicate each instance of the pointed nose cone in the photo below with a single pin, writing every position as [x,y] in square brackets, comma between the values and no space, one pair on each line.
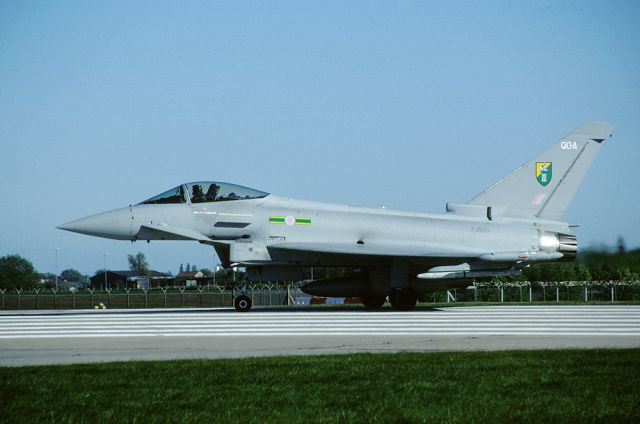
[114,224]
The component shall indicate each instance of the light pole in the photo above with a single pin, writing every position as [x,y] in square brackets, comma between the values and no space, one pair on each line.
[105,270]
[57,250]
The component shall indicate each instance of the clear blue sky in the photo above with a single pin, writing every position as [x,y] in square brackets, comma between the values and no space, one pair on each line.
[405,104]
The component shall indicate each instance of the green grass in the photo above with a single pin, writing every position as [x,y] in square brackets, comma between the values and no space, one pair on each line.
[529,386]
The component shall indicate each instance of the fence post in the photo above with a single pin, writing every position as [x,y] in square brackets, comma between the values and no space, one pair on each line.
[557,293]
[221,297]
[586,294]
[146,298]
[200,290]
[253,298]
[181,297]
[2,291]
[19,291]
[109,297]
[127,290]
[530,292]
[37,296]
[55,292]
[501,293]
[164,292]
[73,299]
[612,292]
[520,289]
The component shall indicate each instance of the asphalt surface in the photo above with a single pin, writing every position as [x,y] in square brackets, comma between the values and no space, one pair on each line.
[58,337]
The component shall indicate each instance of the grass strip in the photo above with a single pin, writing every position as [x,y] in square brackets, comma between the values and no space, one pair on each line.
[523,386]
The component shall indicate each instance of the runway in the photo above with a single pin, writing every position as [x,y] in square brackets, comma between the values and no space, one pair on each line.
[54,337]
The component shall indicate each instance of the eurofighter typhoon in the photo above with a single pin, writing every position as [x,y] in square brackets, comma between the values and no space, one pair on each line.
[396,255]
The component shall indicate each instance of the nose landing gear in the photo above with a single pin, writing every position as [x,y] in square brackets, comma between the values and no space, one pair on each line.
[242,303]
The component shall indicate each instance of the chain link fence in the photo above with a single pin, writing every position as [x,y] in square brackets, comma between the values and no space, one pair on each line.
[279,294]
[540,291]
[178,297]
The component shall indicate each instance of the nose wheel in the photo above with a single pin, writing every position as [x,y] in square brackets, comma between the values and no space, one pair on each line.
[242,303]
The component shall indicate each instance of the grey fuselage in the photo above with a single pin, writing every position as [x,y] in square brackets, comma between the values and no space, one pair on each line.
[276,232]
[512,223]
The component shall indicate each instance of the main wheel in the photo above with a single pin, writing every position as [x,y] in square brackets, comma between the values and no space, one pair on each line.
[242,303]
[373,301]
[403,299]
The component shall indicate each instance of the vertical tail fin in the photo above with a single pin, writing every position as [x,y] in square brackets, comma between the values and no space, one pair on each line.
[544,186]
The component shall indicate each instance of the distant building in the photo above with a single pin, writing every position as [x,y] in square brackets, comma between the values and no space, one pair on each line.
[49,281]
[69,285]
[190,278]
[129,279]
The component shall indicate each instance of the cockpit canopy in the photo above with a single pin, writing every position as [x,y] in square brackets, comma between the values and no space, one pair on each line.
[205,191]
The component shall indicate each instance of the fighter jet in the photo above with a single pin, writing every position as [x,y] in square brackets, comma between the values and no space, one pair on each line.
[396,255]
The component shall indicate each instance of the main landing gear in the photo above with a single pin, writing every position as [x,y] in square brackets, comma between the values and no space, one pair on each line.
[373,301]
[403,299]
[242,303]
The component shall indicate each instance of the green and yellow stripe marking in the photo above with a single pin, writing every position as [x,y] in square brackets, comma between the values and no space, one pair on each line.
[279,219]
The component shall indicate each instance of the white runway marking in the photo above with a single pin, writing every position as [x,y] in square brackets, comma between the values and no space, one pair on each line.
[62,337]
[622,320]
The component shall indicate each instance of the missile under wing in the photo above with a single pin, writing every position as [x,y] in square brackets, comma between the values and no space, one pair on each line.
[397,255]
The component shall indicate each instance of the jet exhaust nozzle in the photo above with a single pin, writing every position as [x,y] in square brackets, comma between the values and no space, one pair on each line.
[568,246]
[565,246]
